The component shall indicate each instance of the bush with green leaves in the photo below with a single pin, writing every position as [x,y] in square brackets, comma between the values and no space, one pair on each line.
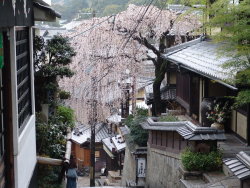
[196,161]
[51,135]
[64,95]
[50,139]
[65,115]
[48,176]
[137,134]
[168,118]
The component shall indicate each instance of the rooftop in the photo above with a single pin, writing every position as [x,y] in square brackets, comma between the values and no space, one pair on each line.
[82,134]
[239,166]
[193,132]
[202,57]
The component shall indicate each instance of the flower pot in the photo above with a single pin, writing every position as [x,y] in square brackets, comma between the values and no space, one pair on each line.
[217,126]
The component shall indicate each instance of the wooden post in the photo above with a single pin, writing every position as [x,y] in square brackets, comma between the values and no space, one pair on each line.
[49,161]
[120,158]
[93,124]
[68,147]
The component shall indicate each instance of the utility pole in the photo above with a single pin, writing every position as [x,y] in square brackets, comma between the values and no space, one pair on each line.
[93,124]
[93,121]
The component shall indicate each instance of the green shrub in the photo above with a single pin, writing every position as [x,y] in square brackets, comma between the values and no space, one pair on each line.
[196,161]
[65,115]
[168,118]
[50,140]
[141,112]
[64,95]
[48,176]
[129,120]
[137,134]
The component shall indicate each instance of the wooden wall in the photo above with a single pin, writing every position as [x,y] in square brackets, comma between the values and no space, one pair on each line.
[168,140]
[83,156]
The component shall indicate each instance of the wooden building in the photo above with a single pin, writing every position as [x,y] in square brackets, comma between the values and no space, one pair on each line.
[174,137]
[81,145]
[199,77]
[17,116]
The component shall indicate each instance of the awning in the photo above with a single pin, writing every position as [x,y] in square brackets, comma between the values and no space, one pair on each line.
[45,13]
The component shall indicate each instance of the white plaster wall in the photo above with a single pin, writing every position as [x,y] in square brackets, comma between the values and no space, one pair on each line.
[24,143]
[25,160]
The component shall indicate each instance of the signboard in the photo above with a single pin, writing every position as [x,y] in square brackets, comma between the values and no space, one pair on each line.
[1,50]
[141,167]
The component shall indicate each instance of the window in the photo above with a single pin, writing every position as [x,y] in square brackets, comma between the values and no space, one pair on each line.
[23,76]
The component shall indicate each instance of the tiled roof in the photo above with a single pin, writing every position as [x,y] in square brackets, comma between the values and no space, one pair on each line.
[239,166]
[167,93]
[186,129]
[115,118]
[192,132]
[82,134]
[115,143]
[119,143]
[203,58]
[150,124]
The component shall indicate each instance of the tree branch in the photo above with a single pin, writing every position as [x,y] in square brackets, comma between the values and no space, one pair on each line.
[142,40]
[150,59]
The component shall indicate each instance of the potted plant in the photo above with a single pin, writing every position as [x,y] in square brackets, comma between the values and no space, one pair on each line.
[218,114]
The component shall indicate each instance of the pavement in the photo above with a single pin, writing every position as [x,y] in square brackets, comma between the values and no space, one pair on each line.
[83,181]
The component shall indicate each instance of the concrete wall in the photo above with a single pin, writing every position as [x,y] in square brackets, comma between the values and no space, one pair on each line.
[129,168]
[162,169]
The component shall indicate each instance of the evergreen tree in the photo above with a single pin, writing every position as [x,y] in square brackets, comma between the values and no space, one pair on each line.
[51,61]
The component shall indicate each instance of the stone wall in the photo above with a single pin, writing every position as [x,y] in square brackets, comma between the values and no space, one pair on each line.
[162,169]
[129,168]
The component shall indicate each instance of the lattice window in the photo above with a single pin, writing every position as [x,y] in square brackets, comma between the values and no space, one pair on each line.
[23,76]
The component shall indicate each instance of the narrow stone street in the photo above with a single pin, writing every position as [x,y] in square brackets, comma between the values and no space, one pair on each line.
[83,181]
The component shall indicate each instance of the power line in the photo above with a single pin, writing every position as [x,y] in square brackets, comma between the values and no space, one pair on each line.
[138,23]
[92,27]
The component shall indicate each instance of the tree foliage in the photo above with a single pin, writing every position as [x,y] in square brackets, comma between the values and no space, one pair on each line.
[234,21]
[137,135]
[51,135]
[51,60]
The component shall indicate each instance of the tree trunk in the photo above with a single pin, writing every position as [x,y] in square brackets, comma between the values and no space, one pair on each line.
[160,69]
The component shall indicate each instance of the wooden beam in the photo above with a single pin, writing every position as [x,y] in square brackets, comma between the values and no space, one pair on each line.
[49,161]
[68,147]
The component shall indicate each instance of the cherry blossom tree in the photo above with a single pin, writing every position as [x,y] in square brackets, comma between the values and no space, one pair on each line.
[114,52]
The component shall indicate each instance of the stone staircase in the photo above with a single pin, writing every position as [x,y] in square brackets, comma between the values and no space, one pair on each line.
[223,179]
